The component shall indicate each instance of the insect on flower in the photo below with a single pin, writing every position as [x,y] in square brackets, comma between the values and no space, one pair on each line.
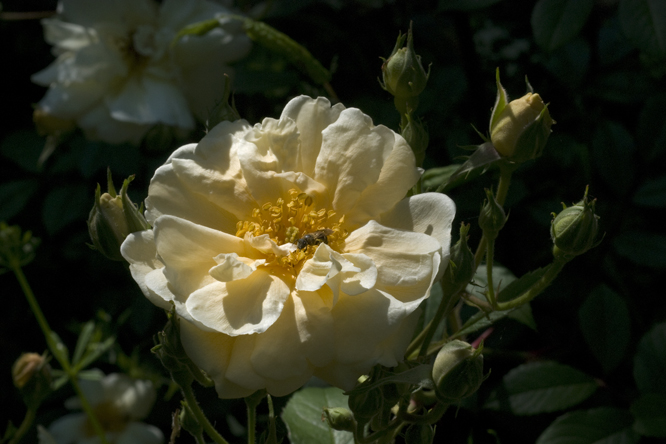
[314,238]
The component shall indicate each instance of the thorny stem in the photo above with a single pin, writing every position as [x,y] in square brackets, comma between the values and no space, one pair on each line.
[506,170]
[490,253]
[56,349]
[192,403]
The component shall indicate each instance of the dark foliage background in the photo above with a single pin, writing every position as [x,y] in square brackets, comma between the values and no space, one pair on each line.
[607,92]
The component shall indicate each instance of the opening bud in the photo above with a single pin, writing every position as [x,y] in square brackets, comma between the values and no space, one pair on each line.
[575,229]
[403,73]
[519,129]
[32,376]
[492,217]
[457,371]
[339,418]
[112,218]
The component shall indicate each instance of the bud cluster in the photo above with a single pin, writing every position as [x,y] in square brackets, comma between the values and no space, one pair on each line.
[16,248]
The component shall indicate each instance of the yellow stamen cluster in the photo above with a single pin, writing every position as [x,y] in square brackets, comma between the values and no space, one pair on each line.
[289,221]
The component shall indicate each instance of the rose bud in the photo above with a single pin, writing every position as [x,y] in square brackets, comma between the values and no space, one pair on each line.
[574,230]
[32,376]
[457,371]
[492,217]
[112,218]
[461,265]
[339,418]
[519,129]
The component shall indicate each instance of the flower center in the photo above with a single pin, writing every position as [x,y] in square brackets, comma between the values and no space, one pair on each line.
[299,222]
[110,417]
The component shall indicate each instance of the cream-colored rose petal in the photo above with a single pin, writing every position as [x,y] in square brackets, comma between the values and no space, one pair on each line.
[359,276]
[406,261]
[240,307]
[230,267]
[149,100]
[169,195]
[188,251]
[286,359]
[428,213]
[97,124]
[318,270]
[239,370]
[211,351]
[69,101]
[396,178]
[68,36]
[312,116]
[352,154]
[315,325]
[213,171]
[69,428]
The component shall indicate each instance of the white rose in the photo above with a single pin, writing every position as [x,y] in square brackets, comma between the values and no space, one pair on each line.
[119,402]
[116,73]
[257,311]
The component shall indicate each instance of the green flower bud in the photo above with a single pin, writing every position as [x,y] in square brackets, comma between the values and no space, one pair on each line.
[32,376]
[461,265]
[419,434]
[339,418]
[403,74]
[112,218]
[575,229]
[16,248]
[457,371]
[492,217]
[417,137]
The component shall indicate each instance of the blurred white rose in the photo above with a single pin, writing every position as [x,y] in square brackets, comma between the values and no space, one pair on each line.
[116,73]
[119,402]
[260,312]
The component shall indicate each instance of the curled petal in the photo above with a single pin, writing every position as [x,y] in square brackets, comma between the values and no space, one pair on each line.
[240,307]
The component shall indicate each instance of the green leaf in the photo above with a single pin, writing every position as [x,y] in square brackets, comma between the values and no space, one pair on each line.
[622,86]
[302,415]
[66,204]
[643,23]
[481,321]
[597,426]
[650,361]
[82,342]
[555,22]
[479,162]
[23,147]
[650,415]
[434,177]
[613,154]
[651,130]
[58,348]
[606,326]
[464,5]
[14,196]
[541,387]
[642,248]
[504,279]
[570,62]
[652,193]
[95,351]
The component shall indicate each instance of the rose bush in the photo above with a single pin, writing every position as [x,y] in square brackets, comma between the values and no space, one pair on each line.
[119,402]
[259,312]
[116,73]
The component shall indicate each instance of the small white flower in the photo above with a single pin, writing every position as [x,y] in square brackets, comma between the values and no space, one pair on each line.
[261,309]
[119,402]
[116,73]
